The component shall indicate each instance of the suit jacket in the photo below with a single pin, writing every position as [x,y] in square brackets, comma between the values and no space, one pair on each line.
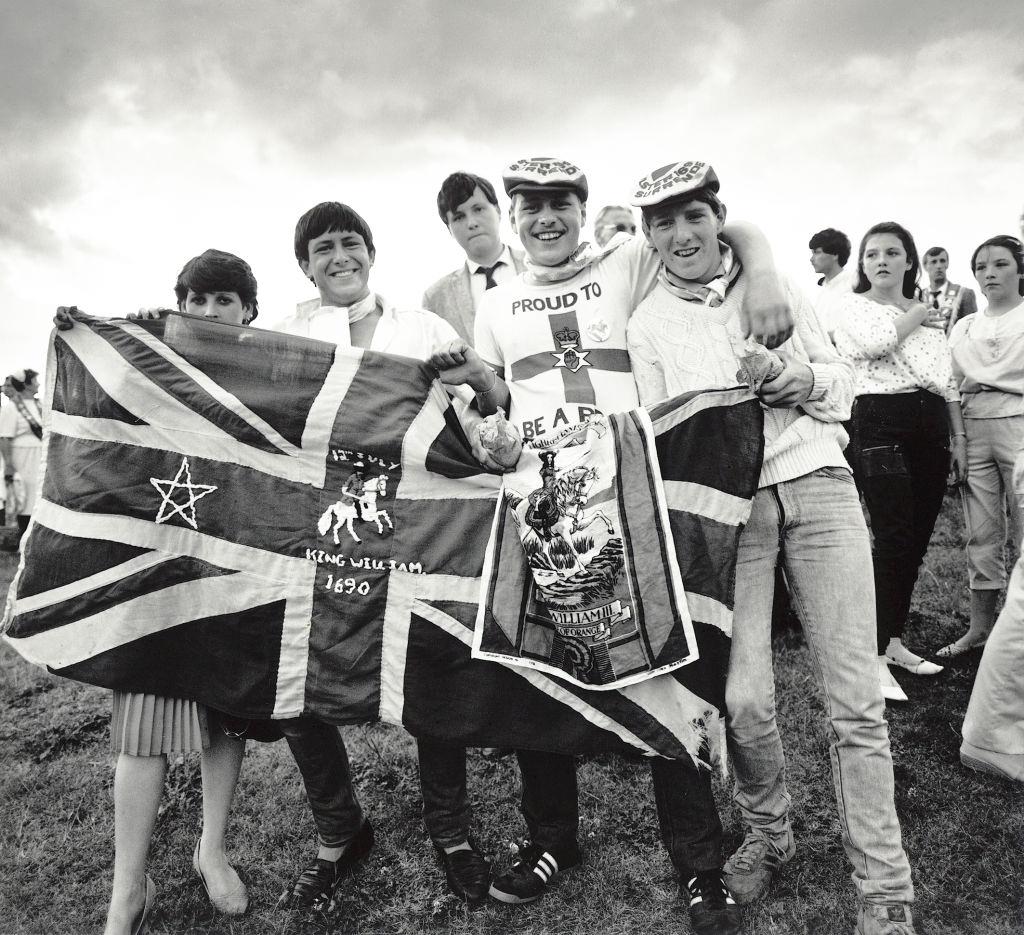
[958,301]
[452,299]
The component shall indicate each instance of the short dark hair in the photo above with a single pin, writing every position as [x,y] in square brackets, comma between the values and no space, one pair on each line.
[459,187]
[831,241]
[326,217]
[910,277]
[217,271]
[1007,242]
[935,251]
[704,195]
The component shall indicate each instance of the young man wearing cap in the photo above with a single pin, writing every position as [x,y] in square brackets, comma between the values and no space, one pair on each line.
[468,207]
[685,337]
[557,335]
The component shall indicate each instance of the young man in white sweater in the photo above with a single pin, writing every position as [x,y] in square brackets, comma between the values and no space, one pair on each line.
[685,336]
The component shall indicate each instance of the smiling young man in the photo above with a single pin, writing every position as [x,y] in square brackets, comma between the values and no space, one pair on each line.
[468,207]
[685,337]
[557,337]
[335,250]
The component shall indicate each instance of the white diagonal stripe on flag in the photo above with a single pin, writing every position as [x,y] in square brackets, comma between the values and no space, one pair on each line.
[706,501]
[177,540]
[708,610]
[226,399]
[183,429]
[100,579]
[143,615]
[403,590]
[417,482]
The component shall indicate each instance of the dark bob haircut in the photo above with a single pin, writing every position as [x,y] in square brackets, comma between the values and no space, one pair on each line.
[831,241]
[459,187]
[324,218]
[1007,242]
[217,271]
[910,277]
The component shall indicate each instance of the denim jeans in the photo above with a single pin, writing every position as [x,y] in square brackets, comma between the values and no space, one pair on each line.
[814,523]
[687,815]
[902,465]
[320,754]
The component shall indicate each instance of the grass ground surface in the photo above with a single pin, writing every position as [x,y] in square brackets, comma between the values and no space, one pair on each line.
[964,831]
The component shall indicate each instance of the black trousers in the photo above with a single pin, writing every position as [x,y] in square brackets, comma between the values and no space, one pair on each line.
[687,815]
[902,464]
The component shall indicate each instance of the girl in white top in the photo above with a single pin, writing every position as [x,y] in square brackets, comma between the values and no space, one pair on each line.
[905,418]
[988,364]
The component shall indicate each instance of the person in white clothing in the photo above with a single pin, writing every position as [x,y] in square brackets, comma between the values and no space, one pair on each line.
[21,432]
[830,251]
[988,366]
[685,337]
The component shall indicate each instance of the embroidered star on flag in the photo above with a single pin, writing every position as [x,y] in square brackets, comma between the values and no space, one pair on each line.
[170,505]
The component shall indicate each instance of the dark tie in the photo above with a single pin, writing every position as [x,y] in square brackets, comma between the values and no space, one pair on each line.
[935,299]
[488,272]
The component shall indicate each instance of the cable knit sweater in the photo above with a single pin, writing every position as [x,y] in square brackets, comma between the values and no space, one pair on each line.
[677,347]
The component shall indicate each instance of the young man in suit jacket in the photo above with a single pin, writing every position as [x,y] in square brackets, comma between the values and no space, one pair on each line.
[469,209]
[954,300]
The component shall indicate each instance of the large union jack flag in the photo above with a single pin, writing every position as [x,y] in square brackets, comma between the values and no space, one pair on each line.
[272,525]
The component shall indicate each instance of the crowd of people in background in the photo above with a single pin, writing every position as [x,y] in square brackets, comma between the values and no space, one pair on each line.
[879,389]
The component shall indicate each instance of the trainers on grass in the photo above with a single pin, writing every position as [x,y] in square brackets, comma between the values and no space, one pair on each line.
[531,871]
[748,872]
[713,911]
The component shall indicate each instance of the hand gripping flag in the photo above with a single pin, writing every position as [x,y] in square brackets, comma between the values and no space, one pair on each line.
[271,526]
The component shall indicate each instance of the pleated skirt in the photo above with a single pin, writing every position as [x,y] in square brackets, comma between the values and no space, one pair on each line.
[150,725]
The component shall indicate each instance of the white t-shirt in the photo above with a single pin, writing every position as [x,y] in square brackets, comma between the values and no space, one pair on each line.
[829,297]
[561,347]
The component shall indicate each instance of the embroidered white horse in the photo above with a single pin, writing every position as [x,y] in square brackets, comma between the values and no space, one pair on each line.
[351,507]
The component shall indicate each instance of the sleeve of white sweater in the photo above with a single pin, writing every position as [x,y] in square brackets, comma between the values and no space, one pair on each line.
[831,396]
[645,362]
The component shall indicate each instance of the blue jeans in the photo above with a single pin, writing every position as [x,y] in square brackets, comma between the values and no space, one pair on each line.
[815,525]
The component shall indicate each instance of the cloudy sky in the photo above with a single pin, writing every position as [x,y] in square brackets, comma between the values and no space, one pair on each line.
[135,134]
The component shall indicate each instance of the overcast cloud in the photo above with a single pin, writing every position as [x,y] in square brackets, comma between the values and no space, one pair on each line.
[136,135]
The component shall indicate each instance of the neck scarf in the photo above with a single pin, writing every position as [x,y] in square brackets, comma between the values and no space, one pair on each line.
[321,320]
[583,256]
[355,312]
[704,293]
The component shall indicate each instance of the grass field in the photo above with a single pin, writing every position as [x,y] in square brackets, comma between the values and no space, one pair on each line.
[964,831]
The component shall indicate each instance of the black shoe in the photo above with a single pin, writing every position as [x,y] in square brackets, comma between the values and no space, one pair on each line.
[468,873]
[315,886]
[531,871]
[713,911]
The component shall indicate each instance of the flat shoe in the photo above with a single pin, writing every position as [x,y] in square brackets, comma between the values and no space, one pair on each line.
[921,667]
[232,903]
[954,651]
[139,922]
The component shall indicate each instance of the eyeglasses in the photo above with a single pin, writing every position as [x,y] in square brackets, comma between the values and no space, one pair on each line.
[631,228]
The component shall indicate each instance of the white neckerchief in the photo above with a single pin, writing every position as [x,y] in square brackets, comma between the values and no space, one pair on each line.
[338,335]
[583,256]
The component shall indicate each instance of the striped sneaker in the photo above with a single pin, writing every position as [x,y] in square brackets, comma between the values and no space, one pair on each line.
[713,911]
[531,871]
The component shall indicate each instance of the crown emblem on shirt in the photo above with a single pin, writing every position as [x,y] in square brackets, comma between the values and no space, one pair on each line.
[567,337]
